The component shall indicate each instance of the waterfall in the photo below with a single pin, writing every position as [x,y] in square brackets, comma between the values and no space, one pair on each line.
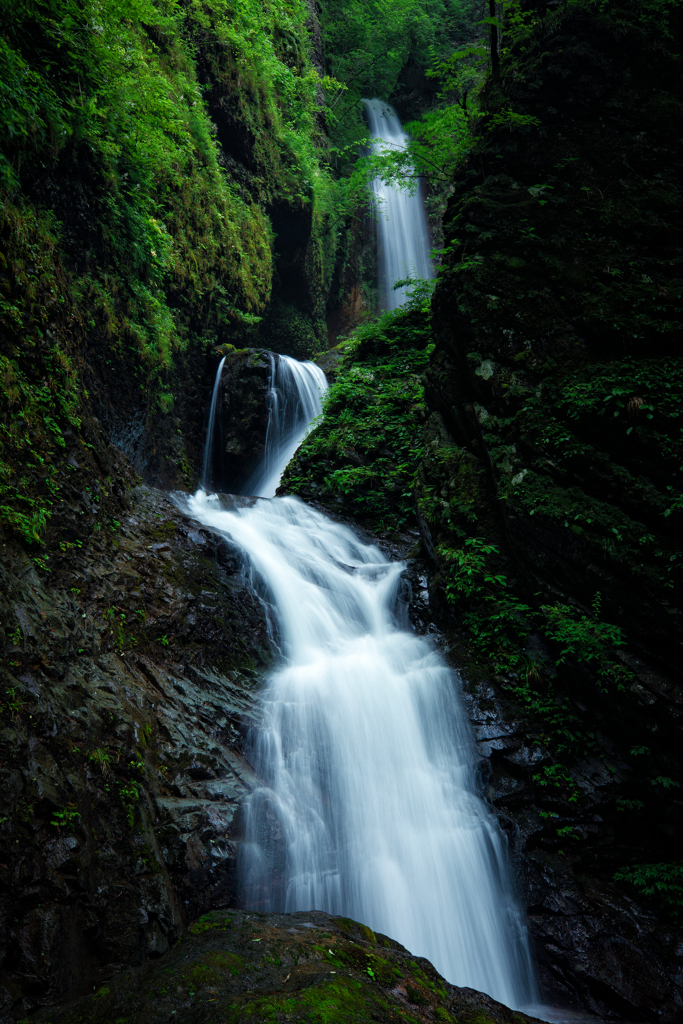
[295,394]
[295,398]
[208,446]
[369,802]
[403,237]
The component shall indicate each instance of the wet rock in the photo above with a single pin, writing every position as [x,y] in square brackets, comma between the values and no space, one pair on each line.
[125,694]
[238,967]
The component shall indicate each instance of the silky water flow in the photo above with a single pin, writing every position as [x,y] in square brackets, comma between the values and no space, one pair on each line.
[295,397]
[369,804]
[402,232]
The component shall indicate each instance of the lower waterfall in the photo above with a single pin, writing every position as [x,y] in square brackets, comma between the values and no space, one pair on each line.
[369,804]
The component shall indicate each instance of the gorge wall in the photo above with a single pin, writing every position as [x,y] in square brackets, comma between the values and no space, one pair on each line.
[518,440]
[163,181]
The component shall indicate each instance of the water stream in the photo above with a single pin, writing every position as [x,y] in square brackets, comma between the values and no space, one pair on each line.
[295,399]
[207,464]
[402,233]
[369,803]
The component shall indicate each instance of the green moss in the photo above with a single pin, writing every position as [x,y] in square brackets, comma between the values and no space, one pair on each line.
[158,241]
[210,967]
[365,452]
[293,331]
[209,922]
[39,385]
[336,1002]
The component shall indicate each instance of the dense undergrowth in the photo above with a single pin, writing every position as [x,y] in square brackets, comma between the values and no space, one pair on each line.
[365,453]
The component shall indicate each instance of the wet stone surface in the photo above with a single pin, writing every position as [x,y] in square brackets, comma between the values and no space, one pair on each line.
[128,683]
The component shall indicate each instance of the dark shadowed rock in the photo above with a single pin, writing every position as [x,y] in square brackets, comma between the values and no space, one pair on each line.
[127,684]
[237,967]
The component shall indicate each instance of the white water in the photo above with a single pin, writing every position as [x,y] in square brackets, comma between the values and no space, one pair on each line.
[210,430]
[294,399]
[403,237]
[369,805]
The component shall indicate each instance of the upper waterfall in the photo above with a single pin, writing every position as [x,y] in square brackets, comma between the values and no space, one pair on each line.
[403,235]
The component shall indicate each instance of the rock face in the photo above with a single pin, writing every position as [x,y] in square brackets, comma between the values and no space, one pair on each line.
[242,418]
[240,967]
[555,391]
[595,948]
[128,678]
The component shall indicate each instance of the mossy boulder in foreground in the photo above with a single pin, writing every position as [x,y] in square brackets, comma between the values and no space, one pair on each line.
[235,967]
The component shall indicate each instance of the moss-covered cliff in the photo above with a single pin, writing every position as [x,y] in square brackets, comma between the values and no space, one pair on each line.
[163,178]
[161,165]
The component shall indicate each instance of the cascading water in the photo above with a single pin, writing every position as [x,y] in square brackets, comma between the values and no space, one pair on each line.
[210,430]
[403,237]
[369,805]
[294,400]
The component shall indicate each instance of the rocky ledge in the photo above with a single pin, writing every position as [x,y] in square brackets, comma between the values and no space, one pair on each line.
[236,967]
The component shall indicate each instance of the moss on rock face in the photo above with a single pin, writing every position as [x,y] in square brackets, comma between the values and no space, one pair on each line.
[559,315]
[240,968]
[558,380]
[151,169]
[364,454]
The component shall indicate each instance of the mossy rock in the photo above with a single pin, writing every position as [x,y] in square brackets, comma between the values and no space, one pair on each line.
[237,967]
[292,331]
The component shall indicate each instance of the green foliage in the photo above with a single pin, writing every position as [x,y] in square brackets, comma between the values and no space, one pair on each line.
[128,97]
[129,793]
[499,624]
[101,757]
[67,817]
[13,704]
[159,238]
[662,881]
[39,396]
[437,143]
[366,450]
[585,639]
[369,45]
[497,620]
